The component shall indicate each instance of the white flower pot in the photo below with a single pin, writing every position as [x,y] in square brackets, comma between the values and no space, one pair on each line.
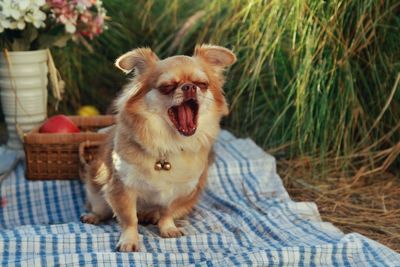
[23,93]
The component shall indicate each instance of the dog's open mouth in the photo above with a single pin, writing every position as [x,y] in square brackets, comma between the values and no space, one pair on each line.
[184,117]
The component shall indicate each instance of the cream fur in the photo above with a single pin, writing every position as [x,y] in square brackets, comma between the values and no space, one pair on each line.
[160,188]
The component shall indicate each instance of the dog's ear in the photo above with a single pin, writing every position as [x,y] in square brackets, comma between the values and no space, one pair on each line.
[217,56]
[139,59]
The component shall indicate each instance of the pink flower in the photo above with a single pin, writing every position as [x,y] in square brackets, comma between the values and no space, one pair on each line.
[56,3]
[78,16]
[86,3]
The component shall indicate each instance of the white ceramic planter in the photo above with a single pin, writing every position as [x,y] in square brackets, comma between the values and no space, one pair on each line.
[23,92]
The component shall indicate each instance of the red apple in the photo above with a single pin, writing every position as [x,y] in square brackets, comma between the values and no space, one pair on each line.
[59,124]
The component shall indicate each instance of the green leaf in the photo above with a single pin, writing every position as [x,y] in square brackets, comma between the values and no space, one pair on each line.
[47,41]
[30,34]
[62,41]
[20,44]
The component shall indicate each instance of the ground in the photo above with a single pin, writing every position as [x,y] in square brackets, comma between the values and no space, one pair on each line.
[367,204]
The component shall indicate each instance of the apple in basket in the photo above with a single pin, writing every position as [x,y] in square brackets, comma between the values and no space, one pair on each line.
[59,124]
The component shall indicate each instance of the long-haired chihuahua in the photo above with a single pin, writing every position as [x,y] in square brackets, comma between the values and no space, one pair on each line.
[154,164]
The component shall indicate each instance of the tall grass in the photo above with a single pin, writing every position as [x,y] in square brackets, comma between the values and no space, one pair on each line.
[317,78]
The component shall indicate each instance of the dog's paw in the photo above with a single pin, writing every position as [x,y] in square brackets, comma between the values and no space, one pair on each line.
[128,242]
[127,246]
[171,232]
[90,218]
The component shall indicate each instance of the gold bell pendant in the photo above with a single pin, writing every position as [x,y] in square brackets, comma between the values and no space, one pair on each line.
[162,165]
[166,166]
[158,166]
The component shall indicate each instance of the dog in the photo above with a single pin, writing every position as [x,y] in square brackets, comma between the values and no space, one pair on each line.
[153,166]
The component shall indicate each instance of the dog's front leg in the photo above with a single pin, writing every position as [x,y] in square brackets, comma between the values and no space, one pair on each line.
[123,203]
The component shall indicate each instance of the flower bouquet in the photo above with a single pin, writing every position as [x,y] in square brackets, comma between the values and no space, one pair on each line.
[37,24]
[28,28]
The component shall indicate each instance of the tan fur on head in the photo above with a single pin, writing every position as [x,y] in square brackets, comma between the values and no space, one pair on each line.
[216,56]
[170,111]
[140,58]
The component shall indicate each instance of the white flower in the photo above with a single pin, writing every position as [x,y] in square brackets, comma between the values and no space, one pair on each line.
[70,28]
[80,7]
[12,25]
[36,18]
[10,9]
[40,3]
[24,4]
[2,20]
[21,24]
[5,24]
[15,14]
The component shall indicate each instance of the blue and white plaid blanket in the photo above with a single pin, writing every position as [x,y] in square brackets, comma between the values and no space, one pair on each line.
[245,217]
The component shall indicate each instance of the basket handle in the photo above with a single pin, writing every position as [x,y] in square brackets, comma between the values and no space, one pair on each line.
[84,165]
[82,148]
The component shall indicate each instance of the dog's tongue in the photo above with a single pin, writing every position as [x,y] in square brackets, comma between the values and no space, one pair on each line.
[185,118]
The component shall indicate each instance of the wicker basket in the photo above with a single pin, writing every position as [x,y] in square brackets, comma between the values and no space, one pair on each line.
[56,156]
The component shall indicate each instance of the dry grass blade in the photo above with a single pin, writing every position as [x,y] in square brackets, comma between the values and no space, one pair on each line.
[184,30]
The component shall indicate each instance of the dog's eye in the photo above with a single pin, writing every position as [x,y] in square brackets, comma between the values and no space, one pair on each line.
[201,85]
[167,88]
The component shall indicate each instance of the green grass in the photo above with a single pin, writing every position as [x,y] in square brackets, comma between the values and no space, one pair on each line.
[317,78]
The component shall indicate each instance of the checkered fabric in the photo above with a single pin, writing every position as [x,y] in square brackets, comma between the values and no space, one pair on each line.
[245,218]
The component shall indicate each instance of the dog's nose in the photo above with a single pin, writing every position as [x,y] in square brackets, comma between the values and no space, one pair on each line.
[188,87]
